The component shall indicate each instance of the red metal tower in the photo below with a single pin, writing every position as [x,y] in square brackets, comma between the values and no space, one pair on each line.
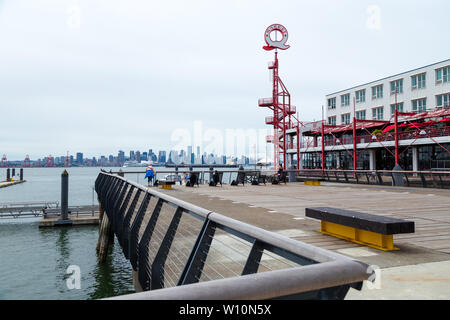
[26,162]
[67,160]
[3,164]
[280,103]
[49,162]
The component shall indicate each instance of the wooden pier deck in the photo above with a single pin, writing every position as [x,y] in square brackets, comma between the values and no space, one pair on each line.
[4,184]
[82,219]
[281,208]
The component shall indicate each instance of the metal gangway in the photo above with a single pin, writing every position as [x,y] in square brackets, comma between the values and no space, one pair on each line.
[27,209]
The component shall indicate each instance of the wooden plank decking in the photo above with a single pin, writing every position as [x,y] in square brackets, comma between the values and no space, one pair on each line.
[282,207]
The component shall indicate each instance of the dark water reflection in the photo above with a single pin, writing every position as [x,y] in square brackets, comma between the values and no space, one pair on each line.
[34,262]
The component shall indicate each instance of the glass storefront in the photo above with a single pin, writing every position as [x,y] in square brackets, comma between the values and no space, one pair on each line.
[429,157]
[434,157]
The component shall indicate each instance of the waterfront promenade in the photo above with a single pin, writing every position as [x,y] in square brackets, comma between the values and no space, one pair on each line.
[419,270]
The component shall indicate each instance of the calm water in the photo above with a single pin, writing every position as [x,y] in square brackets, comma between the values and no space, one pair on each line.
[33,261]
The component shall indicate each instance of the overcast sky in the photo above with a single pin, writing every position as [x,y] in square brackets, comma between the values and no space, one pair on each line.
[96,76]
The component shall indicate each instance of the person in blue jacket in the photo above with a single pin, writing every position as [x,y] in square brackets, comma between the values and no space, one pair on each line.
[150,174]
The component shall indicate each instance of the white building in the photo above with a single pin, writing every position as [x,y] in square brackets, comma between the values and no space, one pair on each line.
[419,89]
[424,92]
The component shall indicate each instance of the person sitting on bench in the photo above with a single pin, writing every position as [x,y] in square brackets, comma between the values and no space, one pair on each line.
[281,174]
[215,179]
[192,180]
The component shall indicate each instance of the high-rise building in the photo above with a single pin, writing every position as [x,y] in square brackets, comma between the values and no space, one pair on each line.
[138,156]
[144,156]
[173,157]
[183,157]
[121,158]
[80,158]
[162,157]
[132,155]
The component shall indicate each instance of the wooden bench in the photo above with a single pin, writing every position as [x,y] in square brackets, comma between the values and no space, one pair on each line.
[362,228]
[166,184]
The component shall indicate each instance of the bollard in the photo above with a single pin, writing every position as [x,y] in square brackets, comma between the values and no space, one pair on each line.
[292,174]
[397,178]
[21,174]
[64,195]
[8,175]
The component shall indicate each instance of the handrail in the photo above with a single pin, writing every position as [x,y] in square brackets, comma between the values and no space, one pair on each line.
[314,269]
[425,179]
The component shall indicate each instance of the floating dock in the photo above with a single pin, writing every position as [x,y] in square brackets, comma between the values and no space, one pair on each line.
[76,220]
[5,184]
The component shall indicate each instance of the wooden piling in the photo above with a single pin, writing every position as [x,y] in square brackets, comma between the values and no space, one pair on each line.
[104,236]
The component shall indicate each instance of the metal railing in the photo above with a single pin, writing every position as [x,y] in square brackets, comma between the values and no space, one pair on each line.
[181,251]
[424,179]
[204,176]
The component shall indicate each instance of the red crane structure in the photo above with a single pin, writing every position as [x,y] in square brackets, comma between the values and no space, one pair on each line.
[27,162]
[280,102]
[3,164]
[49,162]
[67,160]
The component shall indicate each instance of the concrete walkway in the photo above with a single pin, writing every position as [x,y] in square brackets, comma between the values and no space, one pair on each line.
[419,270]
[425,281]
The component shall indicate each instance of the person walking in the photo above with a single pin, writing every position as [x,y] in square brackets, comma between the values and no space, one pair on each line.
[150,174]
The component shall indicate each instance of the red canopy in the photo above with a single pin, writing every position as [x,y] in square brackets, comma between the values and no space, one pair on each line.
[389,128]
[415,125]
[444,120]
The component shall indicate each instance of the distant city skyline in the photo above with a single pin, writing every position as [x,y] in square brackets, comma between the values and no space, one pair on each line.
[150,156]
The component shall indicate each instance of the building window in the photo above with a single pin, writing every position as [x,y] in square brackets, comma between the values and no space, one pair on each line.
[345,100]
[332,103]
[345,118]
[443,100]
[377,92]
[399,107]
[397,86]
[418,81]
[360,96]
[443,75]
[361,115]
[377,113]
[332,121]
[419,104]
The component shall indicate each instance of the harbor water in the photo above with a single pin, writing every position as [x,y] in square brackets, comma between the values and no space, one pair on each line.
[35,263]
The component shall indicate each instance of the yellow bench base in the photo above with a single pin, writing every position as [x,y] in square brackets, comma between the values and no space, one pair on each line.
[167,186]
[312,183]
[375,240]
